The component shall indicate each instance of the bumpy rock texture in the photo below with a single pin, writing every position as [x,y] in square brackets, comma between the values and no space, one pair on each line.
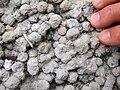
[50,45]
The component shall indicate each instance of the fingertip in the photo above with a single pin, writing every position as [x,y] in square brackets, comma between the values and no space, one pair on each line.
[104,37]
[95,20]
[111,36]
[97,3]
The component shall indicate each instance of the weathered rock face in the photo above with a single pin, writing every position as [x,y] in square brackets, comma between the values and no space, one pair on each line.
[51,45]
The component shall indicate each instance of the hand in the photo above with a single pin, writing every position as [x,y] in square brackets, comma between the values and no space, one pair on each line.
[109,14]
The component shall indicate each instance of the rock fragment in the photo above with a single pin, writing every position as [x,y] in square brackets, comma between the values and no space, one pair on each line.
[100,80]
[8,36]
[34,37]
[55,20]
[21,44]
[86,87]
[25,1]
[12,82]
[72,33]
[112,62]
[70,23]
[100,71]
[62,31]
[69,87]
[109,83]
[25,9]
[44,27]
[88,68]
[4,74]
[22,57]
[44,47]
[50,45]
[19,75]
[32,66]
[60,87]
[7,65]
[86,26]
[65,5]
[22,28]
[50,8]
[42,6]
[8,19]
[72,77]
[47,77]
[50,67]
[35,27]
[94,86]
[17,67]
[116,71]
[61,74]
[43,85]
[56,1]
[76,13]
[81,44]
[32,53]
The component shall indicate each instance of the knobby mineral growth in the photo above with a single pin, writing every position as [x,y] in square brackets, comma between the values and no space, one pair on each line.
[50,45]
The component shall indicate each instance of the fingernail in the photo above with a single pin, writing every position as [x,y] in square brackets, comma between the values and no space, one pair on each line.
[105,36]
[95,18]
[97,3]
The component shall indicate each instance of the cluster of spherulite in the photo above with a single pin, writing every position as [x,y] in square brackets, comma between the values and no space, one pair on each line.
[50,45]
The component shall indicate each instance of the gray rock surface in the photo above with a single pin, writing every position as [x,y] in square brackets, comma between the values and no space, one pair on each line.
[32,66]
[51,45]
[42,6]
[12,82]
[55,20]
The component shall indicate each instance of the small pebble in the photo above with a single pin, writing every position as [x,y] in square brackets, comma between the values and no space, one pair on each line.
[7,65]
[8,19]
[69,87]
[62,31]
[55,20]
[32,66]
[112,62]
[22,57]
[8,36]
[43,85]
[65,5]
[109,83]
[42,6]
[17,67]
[72,33]
[12,82]
[100,80]
[34,37]
[50,8]
[24,9]
[72,77]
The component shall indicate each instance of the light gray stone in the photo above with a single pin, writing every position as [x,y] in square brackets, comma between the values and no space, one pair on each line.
[17,67]
[32,66]
[69,87]
[12,82]
[42,6]
[55,20]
